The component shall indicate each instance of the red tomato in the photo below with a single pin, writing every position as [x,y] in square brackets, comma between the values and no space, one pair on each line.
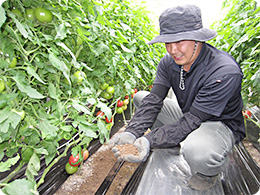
[135,90]
[73,160]
[120,103]
[100,113]
[109,121]
[127,97]
[247,113]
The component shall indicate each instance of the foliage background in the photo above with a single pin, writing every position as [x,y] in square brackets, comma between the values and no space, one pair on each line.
[238,34]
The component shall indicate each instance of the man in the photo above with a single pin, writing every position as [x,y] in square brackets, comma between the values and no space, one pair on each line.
[207,116]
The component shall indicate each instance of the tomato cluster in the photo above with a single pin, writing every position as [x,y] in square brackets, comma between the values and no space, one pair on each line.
[40,14]
[74,161]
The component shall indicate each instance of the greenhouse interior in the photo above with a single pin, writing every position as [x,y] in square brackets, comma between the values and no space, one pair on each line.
[84,86]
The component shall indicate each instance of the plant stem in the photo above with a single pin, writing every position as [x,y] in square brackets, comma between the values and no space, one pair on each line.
[55,161]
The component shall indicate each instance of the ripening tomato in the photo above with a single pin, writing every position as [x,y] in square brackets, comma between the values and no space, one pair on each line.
[126,101]
[74,160]
[85,154]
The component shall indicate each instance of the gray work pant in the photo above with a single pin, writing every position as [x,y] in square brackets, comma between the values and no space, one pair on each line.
[206,148]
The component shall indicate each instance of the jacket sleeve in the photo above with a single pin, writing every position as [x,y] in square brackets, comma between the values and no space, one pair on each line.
[145,115]
[171,135]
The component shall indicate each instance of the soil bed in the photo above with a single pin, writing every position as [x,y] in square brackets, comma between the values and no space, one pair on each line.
[97,167]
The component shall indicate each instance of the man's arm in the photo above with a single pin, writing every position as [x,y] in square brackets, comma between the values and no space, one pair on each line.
[172,134]
[147,112]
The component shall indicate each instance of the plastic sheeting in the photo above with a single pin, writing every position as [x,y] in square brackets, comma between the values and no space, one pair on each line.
[167,172]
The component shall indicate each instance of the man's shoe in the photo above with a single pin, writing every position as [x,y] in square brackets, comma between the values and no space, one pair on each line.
[202,182]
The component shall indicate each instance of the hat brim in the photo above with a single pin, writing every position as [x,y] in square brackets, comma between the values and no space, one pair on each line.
[202,35]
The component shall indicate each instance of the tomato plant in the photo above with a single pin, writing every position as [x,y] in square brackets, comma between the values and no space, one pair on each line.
[38,60]
[43,15]
[70,169]
[74,160]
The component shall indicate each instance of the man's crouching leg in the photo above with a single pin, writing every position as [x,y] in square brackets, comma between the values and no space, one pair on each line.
[206,150]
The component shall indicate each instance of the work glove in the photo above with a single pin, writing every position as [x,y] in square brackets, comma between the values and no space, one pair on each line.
[143,146]
[121,138]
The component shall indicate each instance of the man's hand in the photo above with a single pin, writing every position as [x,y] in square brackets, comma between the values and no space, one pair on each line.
[143,146]
[121,138]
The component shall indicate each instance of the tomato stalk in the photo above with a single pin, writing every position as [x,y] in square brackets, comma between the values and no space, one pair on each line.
[12,174]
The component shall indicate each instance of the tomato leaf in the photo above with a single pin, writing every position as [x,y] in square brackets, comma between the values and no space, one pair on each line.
[60,65]
[5,166]
[33,167]
[32,72]
[2,16]
[104,108]
[20,185]
[47,129]
[23,87]
[103,131]
[88,130]
[53,91]
[80,108]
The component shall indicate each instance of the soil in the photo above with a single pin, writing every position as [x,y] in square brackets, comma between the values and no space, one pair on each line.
[98,167]
[127,149]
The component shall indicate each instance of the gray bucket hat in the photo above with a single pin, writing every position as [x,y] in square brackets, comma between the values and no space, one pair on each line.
[182,23]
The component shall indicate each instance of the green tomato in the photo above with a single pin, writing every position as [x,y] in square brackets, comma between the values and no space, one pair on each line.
[13,63]
[104,86]
[119,110]
[43,15]
[29,13]
[17,12]
[80,76]
[107,96]
[2,86]
[20,113]
[70,169]
[111,90]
